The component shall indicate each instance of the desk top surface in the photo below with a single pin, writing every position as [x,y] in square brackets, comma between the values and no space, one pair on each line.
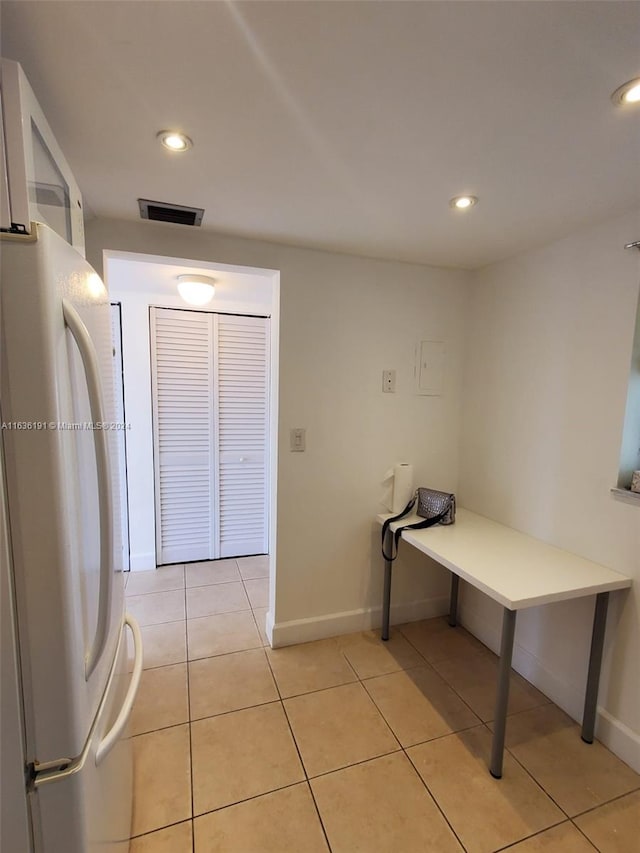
[511,567]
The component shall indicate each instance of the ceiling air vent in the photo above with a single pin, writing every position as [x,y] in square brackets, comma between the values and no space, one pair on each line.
[160,211]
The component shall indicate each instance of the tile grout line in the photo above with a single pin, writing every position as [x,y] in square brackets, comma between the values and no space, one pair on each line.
[382,716]
[255,621]
[160,829]
[435,801]
[513,844]
[318,689]
[280,788]
[583,834]
[248,800]
[406,755]
[295,743]
[251,607]
[316,807]
[462,699]
[449,685]
[529,774]
[606,803]
[485,724]
[235,710]
[401,748]
[533,778]
[549,795]
[481,722]
[354,764]
[193,827]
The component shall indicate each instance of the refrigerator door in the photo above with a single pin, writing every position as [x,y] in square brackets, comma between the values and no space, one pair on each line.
[15,826]
[57,362]
[87,809]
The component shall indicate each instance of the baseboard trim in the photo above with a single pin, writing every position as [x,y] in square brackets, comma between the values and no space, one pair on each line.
[142,562]
[349,621]
[615,735]
[620,739]
[268,628]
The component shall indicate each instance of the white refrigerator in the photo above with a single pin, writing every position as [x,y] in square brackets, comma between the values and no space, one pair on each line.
[67,685]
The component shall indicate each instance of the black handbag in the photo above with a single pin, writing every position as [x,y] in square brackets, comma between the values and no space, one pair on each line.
[433,506]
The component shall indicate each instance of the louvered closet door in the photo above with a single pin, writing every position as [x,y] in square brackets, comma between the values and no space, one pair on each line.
[242,412]
[210,377]
[184,440]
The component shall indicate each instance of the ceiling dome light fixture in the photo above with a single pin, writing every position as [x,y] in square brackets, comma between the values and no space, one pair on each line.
[196,289]
[627,95]
[463,202]
[174,140]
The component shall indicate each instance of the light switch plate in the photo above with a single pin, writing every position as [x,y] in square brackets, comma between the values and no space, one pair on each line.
[297,439]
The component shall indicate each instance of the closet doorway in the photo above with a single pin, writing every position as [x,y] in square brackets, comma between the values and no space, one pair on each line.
[143,284]
[210,397]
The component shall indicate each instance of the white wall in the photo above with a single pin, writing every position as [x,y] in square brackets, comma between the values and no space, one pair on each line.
[549,338]
[343,320]
[549,348]
[137,285]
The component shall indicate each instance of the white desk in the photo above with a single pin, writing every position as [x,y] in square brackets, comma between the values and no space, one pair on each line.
[517,571]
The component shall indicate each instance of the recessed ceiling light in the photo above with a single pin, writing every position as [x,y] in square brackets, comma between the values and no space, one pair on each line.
[463,202]
[196,289]
[174,141]
[627,95]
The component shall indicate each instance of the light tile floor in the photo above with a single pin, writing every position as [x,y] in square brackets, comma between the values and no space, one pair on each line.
[347,745]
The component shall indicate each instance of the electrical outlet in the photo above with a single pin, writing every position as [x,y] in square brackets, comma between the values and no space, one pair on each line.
[389,381]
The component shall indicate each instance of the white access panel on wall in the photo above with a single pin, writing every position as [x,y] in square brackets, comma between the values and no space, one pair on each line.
[210,406]
[430,358]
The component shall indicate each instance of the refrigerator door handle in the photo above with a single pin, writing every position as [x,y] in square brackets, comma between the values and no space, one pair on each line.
[54,771]
[115,732]
[94,387]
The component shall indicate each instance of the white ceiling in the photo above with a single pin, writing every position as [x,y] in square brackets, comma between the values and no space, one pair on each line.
[346,125]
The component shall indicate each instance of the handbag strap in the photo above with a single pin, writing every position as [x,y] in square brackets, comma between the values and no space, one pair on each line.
[400,515]
[427,522]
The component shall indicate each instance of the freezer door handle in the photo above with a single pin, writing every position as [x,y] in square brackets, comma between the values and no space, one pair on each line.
[115,732]
[94,387]
[63,768]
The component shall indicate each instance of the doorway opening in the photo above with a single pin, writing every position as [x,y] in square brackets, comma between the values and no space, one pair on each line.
[195,470]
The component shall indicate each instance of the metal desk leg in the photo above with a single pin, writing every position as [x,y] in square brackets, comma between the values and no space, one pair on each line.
[502,693]
[595,662]
[453,605]
[386,598]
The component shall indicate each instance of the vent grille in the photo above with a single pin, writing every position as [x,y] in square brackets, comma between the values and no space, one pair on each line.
[161,211]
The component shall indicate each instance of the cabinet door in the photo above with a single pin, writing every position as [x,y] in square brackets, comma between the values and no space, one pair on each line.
[242,407]
[182,371]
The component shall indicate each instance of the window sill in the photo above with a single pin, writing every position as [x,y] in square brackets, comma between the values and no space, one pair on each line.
[626,495]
